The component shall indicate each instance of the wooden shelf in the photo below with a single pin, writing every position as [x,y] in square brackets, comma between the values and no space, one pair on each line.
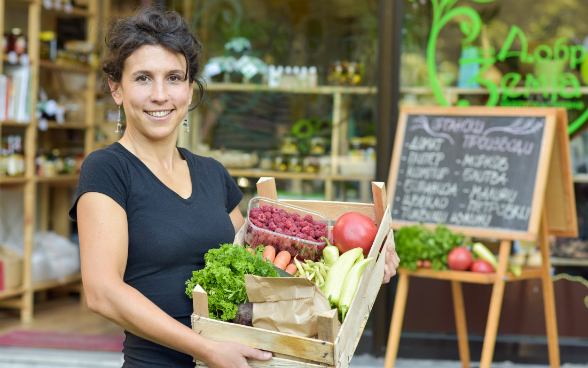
[49,284]
[13,180]
[560,261]
[66,68]
[14,123]
[471,277]
[58,178]
[258,173]
[10,293]
[75,12]
[320,90]
[56,125]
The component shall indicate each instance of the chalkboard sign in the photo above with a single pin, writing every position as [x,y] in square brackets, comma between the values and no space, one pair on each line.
[479,170]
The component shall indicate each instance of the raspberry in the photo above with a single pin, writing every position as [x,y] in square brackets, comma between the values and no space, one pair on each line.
[262,217]
[253,215]
[264,208]
[297,223]
[268,214]
[287,232]
[308,218]
[255,210]
[304,223]
[295,231]
[272,226]
[282,213]
[257,223]
[321,224]
[305,230]
[312,234]
[279,230]
[275,209]
[276,217]
[297,216]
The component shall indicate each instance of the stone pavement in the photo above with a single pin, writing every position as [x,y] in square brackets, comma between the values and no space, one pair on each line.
[50,358]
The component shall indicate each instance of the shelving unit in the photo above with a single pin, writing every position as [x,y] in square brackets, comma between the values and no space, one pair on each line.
[54,192]
[339,141]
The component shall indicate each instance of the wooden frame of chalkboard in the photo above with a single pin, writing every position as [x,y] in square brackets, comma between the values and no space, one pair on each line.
[492,156]
[549,208]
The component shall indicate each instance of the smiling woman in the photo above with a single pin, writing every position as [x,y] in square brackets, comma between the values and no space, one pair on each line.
[147,210]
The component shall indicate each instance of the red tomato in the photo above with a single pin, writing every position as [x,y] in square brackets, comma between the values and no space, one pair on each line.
[459,259]
[353,230]
[481,266]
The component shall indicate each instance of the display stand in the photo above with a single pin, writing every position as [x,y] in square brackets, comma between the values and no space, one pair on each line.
[552,211]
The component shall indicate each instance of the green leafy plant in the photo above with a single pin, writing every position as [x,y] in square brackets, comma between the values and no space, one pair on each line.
[306,129]
[223,277]
[415,243]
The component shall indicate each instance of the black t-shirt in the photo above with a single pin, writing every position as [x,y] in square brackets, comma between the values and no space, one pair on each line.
[168,235]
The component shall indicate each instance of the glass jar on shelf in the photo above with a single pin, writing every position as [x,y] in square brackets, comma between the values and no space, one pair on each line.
[318,146]
[289,146]
[294,165]
[280,163]
[310,165]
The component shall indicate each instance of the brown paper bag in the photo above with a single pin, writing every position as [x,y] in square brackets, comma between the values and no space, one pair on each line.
[286,304]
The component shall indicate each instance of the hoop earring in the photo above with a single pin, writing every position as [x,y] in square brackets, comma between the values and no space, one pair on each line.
[118,124]
[186,127]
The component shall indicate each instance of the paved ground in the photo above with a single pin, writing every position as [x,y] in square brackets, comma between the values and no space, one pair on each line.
[49,358]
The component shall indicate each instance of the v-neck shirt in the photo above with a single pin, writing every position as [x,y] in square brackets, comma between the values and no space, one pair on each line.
[168,234]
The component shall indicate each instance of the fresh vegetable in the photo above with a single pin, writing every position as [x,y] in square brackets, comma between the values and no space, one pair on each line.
[353,230]
[350,285]
[414,243]
[427,263]
[282,260]
[330,252]
[481,266]
[459,259]
[244,314]
[336,276]
[291,269]
[223,278]
[269,253]
[515,269]
[313,271]
[484,253]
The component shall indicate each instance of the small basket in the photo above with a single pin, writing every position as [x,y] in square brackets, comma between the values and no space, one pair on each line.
[302,248]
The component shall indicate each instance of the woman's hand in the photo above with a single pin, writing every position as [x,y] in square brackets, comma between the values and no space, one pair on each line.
[233,355]
[392,262]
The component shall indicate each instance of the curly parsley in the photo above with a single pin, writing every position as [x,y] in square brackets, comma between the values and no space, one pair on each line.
[223,278]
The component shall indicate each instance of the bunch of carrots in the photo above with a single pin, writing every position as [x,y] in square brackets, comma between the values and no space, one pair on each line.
[282,260]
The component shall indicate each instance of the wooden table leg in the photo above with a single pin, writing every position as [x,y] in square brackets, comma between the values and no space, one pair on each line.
[460,323]
[549,298]
[495,306]
[397,318]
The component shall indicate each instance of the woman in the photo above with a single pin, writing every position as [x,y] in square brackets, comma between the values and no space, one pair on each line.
[147,210]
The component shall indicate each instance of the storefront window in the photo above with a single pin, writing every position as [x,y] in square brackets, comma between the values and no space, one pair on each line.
[502,53]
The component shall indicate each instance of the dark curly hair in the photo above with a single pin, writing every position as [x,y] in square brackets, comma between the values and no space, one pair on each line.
[150,26]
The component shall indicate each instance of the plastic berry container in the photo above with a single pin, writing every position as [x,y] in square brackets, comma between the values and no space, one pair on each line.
[295,221]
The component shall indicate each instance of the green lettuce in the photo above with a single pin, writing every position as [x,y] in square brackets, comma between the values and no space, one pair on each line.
[223,278]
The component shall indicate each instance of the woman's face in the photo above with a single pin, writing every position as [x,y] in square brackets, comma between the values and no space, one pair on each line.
[154,91]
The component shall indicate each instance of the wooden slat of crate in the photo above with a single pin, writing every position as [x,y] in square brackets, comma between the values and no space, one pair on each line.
[358,313]
[334,210]
[273,363]
[306,348]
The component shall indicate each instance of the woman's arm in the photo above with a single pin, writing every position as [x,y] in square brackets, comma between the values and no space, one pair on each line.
[237,219]
[103,231]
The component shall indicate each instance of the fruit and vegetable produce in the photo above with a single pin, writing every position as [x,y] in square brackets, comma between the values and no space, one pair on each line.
[244,314]
[330,253]
[459,259]
[353,230]
[481,266]
[286,231]
[484,253]
[336,276]
[417,243]
[282,260]
[350,286]
[313,271]
[223,278]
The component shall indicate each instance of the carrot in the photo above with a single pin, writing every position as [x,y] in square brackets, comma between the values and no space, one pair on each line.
[269,253]
[282,259]
[251,250]
[291,269]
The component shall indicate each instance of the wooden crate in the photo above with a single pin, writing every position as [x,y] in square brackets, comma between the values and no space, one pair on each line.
[336,343]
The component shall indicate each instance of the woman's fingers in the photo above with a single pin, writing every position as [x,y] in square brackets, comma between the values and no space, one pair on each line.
[256,354]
